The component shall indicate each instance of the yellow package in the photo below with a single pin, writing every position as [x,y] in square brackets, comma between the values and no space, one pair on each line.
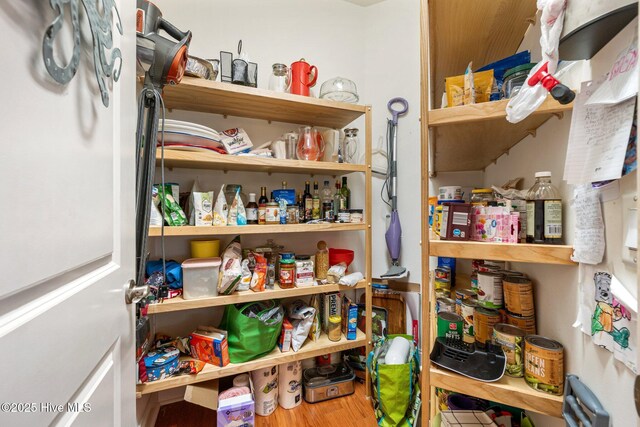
[469,95]
[482,81]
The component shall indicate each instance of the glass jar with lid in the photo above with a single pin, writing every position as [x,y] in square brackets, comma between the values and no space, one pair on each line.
[349,145]
[482,196]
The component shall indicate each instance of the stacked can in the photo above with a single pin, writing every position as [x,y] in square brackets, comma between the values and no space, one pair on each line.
[442,282]
[518,298]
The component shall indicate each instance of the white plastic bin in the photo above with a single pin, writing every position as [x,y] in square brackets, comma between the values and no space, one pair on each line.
[200,277]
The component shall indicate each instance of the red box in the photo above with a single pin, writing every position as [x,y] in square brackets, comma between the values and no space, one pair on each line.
[210,345]
[286,336]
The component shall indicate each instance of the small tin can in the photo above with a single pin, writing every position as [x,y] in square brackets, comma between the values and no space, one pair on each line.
[461,295]
[483,323]
[344,215]
[449,325]
[442,293]
[445,305]
[467,309]
[490,290]
[511,273]
[357,215]
[544,364]
[442,284]
[518,296]
[510,338]
[443,273]
[527,324]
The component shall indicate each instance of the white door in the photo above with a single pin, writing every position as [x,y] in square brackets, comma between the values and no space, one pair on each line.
[67,237]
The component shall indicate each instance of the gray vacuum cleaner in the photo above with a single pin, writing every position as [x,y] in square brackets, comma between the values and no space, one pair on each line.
[393,236]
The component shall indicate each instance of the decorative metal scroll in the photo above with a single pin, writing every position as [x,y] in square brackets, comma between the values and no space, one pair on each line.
[100,22]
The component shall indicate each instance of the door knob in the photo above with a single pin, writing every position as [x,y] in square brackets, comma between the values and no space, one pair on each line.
[135,293]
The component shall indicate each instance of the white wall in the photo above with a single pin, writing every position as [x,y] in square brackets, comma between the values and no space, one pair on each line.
[557,286]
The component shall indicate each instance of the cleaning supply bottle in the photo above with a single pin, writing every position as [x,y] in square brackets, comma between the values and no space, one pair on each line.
[544,211]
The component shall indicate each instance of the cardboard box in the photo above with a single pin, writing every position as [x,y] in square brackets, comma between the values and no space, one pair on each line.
[236,411]
[203,394]
[349,318]
[285,336]
[456,221]
[210,345]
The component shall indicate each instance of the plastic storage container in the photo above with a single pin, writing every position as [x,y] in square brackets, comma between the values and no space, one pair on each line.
[514,79]
[200,277]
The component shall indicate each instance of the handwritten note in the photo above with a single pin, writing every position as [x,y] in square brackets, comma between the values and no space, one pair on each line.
[622,80]
[598,138]
[589,243]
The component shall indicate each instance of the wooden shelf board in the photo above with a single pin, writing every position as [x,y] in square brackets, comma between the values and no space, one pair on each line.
[471,137]
[224,162]
[509,391]
[195,94]
[493,29]
[514,252]
[309,349]
[178,304]
[487,111]
[190,230]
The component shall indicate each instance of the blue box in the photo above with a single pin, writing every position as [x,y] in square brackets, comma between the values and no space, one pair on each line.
[288,194]
[349,318]
[161,363]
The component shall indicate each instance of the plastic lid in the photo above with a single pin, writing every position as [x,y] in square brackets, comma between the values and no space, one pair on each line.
[544,174]
[202,262]
[303,257]
[482,191]
[519,68]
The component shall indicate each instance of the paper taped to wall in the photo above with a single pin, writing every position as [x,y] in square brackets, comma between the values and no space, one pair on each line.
[588,241]
[598,138]
[622,80]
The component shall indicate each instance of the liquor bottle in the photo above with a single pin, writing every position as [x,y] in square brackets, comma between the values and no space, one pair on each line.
[307,199]
[315,210]
[300,208]
[262,206]
[252,209]
[346,192]
[338,201]
[326,198]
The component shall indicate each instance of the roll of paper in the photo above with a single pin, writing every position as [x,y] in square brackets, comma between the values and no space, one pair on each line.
[265,387]
[290,385]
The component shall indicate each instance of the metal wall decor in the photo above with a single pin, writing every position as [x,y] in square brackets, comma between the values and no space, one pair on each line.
[100,19]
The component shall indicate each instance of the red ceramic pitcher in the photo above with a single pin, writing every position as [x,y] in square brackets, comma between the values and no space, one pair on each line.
[301,77]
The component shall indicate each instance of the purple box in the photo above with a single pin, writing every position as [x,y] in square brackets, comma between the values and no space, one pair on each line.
[236,411]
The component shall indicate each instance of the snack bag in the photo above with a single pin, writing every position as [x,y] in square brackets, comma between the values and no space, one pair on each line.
[220,210]
[469,96]
[301,317]
[259,279]
[314,332]
[171,210]
[245,281]
[241,216]
[232,218]
[230,269]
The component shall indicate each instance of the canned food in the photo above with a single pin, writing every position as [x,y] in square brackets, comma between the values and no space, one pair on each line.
[544,364]
[509,273]
[443,293]
[449,325]
[474,282]
[467,309]
[461,295]
[443,273]
[490,290]
[518,296]
[483,322]
[445,305]
[527,324]
[510,339]
[500,265]
[442,284]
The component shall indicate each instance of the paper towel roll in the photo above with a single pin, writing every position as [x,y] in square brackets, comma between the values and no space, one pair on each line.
[265,387]
[290,385]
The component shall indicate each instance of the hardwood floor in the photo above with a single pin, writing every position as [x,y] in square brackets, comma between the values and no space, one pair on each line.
[349,411]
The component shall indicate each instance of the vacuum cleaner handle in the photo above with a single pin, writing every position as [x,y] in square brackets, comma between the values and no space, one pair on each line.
[396,113]
[173,31]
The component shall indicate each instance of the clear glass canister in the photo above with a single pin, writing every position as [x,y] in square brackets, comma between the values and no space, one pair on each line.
[349,145]
[482,196]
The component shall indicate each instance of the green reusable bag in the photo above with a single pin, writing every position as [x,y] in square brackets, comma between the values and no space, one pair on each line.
[251,337]
[396,393]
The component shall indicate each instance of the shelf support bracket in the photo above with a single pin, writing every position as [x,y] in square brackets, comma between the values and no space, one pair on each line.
[559,115]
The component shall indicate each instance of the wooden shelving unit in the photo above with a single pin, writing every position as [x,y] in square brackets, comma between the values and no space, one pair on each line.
[180,304]
[509,391]
[224,162]
[470,138]
[227,99]
[193,94]
[514,252]
[193,231]
[276,357]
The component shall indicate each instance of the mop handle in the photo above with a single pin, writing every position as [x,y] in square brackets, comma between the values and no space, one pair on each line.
[396,113]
